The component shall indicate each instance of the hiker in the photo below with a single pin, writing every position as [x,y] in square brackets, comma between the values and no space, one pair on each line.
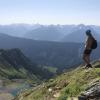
[90,44]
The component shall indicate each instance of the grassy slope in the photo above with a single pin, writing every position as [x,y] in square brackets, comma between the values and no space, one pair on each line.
[12,73]
[68,84]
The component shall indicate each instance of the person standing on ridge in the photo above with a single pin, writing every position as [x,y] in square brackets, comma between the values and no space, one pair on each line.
[90,44]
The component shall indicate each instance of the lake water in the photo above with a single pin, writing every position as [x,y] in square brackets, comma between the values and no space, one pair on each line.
[20,88]
[14,88]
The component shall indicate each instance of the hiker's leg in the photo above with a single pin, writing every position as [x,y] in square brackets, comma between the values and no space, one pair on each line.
[86,59]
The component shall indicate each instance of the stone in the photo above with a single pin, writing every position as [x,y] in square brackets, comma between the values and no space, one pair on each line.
[91,92]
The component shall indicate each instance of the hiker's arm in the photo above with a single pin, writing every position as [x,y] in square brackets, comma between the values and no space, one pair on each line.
[88,43]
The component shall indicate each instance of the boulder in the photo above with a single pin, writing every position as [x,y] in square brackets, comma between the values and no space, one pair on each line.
[92,92]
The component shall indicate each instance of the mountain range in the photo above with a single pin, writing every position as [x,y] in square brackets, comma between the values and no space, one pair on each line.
[46,33]
[79,35]
[31,54]
[43,52]
[60,33]
[49,45]
[53,54]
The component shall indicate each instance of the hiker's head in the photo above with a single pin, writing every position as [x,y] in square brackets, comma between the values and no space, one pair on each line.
[88,33]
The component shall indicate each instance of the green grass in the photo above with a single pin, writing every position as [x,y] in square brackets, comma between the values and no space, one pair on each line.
[68,84]
[50,69]
[12,73]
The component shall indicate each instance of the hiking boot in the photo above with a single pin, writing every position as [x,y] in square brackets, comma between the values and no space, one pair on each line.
[88,66]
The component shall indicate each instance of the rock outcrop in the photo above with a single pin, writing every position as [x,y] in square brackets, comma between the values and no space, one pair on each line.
[92,92]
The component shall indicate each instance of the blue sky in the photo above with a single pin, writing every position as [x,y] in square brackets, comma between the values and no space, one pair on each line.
[50,11]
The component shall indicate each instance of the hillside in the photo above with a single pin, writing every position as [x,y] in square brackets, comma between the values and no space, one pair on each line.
[17,72]
[71,83]
[14,73]
[14,64]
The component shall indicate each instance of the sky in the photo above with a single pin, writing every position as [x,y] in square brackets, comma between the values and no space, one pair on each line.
[50,12]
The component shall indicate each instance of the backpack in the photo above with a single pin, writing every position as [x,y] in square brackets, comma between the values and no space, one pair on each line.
[94,44]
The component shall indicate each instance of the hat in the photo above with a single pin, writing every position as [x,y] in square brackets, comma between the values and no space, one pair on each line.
[88,32]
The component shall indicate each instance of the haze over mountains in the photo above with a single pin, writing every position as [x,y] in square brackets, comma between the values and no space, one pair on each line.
[60,33]
[79,34]
[17,29]
[50,45]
